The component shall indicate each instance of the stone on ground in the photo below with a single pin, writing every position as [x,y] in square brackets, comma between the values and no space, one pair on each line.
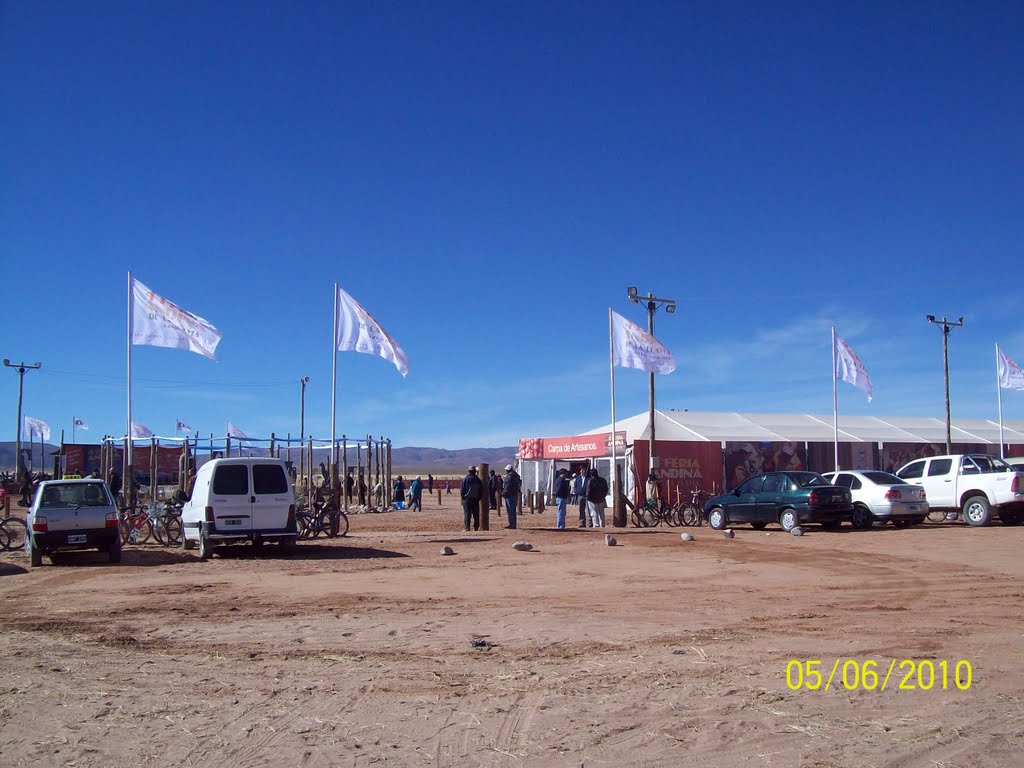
[522,546]
[798,531]
[686,536]
[729,533]
[447,551]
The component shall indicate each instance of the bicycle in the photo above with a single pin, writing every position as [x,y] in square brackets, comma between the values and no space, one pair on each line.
[136,526]
[692,513]
[312,523]
[167,525]
[13,533]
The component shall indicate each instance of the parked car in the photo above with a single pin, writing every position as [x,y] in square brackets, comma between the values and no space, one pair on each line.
[881,497]
[1017,462]
[976,485]
[787,498]
[72,515]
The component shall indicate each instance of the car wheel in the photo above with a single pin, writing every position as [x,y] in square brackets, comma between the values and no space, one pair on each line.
[977,511]
[716,519]
[35,555]
[861,517]
[759,526]
[789,520]
[205,547]
[114,550]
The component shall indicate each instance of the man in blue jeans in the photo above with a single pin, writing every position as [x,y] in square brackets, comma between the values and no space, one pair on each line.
[510,490]
[562,491]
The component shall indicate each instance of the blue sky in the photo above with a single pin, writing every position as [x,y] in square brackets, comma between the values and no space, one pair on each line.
[487,180]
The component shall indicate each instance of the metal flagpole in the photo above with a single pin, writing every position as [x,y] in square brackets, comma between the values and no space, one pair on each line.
[999,399]
[835,398]
[74,421]
[334,379]
[128,478]
[611,369]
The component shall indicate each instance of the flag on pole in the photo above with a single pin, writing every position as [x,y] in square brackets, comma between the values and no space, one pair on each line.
[359,332]
[158,322]
[140,431]
[37,427]
[633,347]
[850,369]
[79,424]
[1010,374]
[181,426]
[234,431]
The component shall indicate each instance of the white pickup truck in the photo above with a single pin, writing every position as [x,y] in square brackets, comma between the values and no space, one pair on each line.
[975,485]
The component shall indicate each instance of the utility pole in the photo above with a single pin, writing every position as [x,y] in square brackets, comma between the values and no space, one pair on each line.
[302,421]
[946,326]
[651,302]
[21,368]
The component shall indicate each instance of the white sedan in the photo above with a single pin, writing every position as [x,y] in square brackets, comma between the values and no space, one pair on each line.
[881,496]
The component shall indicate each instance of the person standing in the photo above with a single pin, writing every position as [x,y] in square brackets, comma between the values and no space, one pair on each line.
[597,491]
[430,483]
[447,487]
[579,490]
[471,492]
[562,491]
[493,490]
[510,490]
[416,494]
[399,490]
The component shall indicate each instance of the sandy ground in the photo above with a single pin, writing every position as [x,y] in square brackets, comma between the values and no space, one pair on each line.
[356,651]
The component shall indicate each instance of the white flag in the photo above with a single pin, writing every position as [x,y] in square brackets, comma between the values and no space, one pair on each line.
[633,347]
[79,424]
[37,427]
[159,323]
[850,369]
[359,332]
[140,431]
[1010,374]
[234,431]
[181,426]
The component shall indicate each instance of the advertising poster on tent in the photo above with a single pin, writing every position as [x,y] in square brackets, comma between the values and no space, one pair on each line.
[81,459]
[821,457]
[682,466]
[895,455]
[745,459]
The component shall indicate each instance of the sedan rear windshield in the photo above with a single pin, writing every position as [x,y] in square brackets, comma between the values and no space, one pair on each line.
[883,478]
[808,479]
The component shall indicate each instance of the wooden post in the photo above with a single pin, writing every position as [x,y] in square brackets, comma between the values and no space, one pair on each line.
[359,473]
[439,497]
[483,471]
[619,500]
[369,471]
[271,443]
[387,483]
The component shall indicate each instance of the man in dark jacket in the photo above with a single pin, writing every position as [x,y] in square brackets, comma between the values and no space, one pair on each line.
[510,490]
[493,489]
[579,490]
[597,490]
[562,492]
[471,492]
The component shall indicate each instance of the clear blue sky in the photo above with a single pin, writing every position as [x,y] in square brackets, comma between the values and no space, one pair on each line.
[487,180]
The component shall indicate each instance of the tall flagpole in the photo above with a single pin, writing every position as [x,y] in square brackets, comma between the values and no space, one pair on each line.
[835,398]
[334,377]
[128,479]
[611,370]
[999,399]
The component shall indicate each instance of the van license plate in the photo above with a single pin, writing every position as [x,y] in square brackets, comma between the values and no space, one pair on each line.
[76,538]
[232,522]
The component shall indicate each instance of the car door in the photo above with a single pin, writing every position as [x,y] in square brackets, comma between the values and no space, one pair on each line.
[770,498]
[271,497]
[231,499]
[938,482]
[743,506]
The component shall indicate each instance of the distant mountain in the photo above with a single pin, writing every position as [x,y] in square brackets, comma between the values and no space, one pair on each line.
[411,460]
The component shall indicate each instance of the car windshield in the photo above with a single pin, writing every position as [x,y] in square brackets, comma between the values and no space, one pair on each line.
[808,479]
[74,495]
[883,478]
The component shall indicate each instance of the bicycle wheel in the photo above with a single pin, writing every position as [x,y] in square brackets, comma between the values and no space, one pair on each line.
[691,515]
[650,517]
[136,530]
[342,524]
[172,530]
[673,515]
[5,536]
[302,523]
[159,530]
[17,531]
[638,521]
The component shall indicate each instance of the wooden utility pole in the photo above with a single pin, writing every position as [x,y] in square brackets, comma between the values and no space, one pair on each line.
[619,500]
[482,471]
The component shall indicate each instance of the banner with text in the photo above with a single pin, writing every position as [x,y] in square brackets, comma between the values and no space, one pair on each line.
[572,447]
[682,467]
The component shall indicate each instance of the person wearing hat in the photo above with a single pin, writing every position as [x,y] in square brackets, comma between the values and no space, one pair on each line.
[416,494]
[510,491]
[562,491]
[471,492]
[493,489]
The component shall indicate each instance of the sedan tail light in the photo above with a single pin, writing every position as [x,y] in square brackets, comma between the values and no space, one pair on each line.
[893,494]
[111,520]
[39,525]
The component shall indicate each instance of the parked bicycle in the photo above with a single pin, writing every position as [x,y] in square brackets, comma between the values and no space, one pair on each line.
[13,533]
[136,525]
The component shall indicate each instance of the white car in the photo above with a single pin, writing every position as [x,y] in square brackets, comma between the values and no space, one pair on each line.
[881,496]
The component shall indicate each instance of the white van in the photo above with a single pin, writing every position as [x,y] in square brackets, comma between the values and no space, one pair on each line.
[235,500]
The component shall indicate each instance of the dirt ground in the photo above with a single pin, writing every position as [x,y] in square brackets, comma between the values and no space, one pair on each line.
[655,652]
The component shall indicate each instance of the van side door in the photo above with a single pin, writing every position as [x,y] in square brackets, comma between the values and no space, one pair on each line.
[271,497]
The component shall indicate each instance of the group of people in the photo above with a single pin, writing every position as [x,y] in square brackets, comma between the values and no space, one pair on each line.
[472,491]
[587,490]
[415,491]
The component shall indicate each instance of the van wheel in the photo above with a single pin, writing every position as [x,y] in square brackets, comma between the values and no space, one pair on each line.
[977,511]
[205,547]
[35,555]
[789,520]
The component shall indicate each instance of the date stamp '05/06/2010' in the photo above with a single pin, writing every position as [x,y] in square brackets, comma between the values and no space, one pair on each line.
[871,675]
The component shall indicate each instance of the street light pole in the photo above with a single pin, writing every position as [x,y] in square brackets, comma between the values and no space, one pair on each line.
[651,303]
[21,367]
[946,326]
[302,424]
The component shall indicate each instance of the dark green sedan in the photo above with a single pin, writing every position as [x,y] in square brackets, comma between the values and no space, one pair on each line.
[787,498]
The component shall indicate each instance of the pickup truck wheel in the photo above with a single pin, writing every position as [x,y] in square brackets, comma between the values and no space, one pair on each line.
[114,550]
[789,520]
[35,556]
[205,547]
[861,517]
[977,511]
[716,518]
